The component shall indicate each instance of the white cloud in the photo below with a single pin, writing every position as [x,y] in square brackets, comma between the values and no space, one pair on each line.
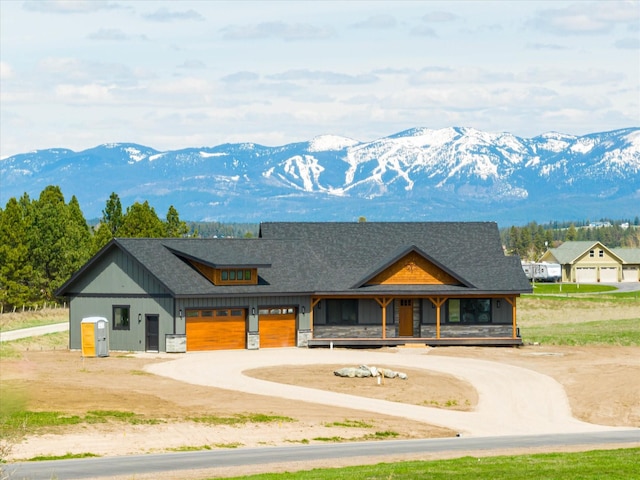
[377,22]
[587,17]
[6,71]
[278,30]
[69,6]
[439,17]
[165,15]
[89,93]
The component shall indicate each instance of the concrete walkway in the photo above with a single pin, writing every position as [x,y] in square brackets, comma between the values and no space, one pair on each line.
[512,400]
[33,331]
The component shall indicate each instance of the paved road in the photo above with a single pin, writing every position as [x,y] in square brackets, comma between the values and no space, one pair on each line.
[146,464]
[33,331]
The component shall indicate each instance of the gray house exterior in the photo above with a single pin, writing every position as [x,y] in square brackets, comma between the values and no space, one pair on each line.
[304,285]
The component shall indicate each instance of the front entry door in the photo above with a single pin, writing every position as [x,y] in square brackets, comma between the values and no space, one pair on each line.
[406,318]
[152,333]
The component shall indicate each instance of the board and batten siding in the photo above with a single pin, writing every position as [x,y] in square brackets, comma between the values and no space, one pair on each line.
[369,312]
[118,279]
[118,272]
[122,340]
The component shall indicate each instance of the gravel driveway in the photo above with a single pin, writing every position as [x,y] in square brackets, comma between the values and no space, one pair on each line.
[512,400]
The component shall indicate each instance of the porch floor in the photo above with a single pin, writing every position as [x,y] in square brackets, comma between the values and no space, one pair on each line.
[431,342]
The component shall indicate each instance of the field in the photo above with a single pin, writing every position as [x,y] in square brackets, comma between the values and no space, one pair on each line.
[57,404]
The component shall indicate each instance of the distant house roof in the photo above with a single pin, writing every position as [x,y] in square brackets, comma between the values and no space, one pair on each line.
[629,255]
[569,252]
[330,258]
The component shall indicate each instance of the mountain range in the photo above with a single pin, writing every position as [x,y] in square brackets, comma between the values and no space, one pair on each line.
[419,174]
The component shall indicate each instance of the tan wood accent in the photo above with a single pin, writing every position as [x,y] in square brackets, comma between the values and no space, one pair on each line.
[405,320]
[512,302]
[438,302]
[314,301]
[214,275]
[216,332]
[413,269]
[277,330]
[384,303]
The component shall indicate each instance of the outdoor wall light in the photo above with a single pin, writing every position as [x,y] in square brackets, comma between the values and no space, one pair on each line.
[139,318]
[253,310]
[498,304]
[303,309]
[180,313]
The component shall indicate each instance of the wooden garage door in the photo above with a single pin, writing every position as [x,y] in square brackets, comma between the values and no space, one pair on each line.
[216,329]
[277,327]
[586,275]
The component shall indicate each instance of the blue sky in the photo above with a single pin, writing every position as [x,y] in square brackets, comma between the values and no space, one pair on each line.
[169,75]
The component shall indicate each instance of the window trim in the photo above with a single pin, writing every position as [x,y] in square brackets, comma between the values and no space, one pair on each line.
[114,326]
[475,312]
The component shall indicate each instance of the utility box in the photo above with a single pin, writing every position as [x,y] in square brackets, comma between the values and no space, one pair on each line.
[94,336]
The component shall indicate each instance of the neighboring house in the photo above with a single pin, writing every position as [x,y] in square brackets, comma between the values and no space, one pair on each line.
[592,262]
[304,284]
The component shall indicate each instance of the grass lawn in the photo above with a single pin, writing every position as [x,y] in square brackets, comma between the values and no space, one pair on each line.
[594,465]
[19,319]
[605,332]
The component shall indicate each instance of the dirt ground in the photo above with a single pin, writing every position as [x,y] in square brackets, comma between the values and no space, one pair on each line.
[601,383]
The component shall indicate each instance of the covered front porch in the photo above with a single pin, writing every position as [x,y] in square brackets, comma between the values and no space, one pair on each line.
[481,320]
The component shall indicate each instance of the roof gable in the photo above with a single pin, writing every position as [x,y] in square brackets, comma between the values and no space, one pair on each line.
[571,252]
[410,267]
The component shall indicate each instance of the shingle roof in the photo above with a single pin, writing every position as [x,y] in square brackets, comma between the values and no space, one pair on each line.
[569,252]
[629,255]
[332,258]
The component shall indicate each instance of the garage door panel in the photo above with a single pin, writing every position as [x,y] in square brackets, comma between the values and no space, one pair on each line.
[216,332]
[277,330]
[586,275]
[608,275]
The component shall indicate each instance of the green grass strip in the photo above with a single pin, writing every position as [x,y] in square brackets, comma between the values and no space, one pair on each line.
[594,465]
[624,332]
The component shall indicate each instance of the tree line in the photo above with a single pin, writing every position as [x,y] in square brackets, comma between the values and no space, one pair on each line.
[532,240]
[44,241]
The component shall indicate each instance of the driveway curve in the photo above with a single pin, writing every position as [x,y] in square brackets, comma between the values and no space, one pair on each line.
[511,400]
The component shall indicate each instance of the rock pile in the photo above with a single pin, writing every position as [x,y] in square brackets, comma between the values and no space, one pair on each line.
[365,371]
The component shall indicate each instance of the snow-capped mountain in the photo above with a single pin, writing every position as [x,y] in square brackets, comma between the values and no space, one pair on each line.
[418,174]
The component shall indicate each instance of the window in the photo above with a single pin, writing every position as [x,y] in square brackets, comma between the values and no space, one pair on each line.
[469,310]
[121,317]
[342,312]
[601,253]
[592,253]
[237,276]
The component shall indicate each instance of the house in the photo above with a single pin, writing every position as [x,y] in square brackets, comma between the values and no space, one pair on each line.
[304,284]
[591,262]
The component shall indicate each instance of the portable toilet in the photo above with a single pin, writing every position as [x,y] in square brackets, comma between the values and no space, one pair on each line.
[94,337]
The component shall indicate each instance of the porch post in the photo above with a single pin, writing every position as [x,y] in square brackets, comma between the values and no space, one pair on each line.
[438,302]
[314,301]
[512,302]
[384,303]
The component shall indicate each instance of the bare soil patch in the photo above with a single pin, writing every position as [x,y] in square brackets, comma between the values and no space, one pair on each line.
[601,383]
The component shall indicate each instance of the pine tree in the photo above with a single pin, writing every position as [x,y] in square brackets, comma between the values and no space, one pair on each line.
[141,221]
[175,228]
[16,271]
